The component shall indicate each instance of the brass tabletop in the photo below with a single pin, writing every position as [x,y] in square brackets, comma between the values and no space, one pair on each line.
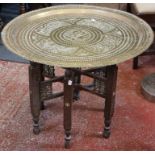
[77,36]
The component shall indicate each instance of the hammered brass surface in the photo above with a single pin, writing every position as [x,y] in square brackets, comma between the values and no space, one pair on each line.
[77,36]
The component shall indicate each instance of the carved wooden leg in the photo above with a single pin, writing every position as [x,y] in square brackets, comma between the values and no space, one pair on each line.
[34,86]
[135,63]
[68,99]
[110,89]
[77,80]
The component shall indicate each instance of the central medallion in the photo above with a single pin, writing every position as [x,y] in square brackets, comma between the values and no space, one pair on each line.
[79,37]
[76,35]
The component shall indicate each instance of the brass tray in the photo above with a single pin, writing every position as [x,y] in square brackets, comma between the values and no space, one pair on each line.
[77,36]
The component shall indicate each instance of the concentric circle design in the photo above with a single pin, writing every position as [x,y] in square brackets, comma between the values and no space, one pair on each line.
[77,36]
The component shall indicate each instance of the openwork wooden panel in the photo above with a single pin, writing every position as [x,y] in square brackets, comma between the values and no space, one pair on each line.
[99,86]
[46,91]
[48,71]
[77,36]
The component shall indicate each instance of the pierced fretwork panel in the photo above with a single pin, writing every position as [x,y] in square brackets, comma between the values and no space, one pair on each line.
[99,86]
[46,90]
[48,71]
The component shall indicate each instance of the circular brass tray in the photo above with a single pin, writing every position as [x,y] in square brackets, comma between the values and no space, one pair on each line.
[77,36]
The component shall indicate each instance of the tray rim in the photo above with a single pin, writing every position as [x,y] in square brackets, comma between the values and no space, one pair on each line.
[68,6]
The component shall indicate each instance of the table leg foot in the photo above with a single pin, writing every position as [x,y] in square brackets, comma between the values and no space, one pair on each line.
[67,139]
[67,144]
[106,132]
[36,129]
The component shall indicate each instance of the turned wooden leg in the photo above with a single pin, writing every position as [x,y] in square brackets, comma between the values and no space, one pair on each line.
[68,99]
[110,91]
[34,87]
[135,63]
[77,80]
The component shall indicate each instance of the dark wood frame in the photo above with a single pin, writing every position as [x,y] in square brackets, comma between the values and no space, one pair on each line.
[72,86]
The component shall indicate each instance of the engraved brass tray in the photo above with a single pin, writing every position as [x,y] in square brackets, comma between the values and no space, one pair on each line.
[77,36]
